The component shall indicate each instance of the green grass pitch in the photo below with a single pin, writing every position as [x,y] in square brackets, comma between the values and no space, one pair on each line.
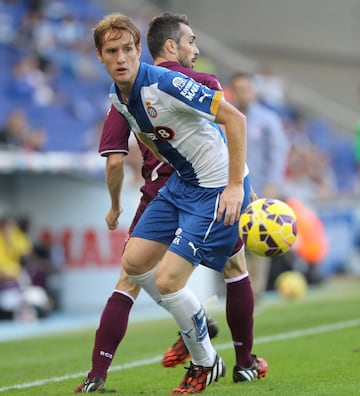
[312,346]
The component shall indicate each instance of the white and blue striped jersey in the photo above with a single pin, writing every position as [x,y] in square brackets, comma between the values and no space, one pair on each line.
[178,114]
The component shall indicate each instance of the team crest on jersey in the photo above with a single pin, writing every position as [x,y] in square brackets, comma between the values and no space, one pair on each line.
[152,112]
[164,133]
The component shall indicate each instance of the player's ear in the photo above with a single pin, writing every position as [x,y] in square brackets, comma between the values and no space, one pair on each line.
[170,46]
[138,49]
[98,53]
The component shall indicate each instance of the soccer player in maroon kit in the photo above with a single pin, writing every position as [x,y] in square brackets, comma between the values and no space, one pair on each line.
[172,45]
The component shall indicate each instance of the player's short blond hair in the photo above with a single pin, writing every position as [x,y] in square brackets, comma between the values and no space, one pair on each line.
[115,23]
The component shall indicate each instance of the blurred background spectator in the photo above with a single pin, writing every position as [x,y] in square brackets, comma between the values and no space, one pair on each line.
[17,133]
[267,152]
[270,88]
[50,69]
[25,293]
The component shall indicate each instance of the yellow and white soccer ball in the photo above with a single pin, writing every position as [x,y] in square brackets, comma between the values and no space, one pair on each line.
[291,284]
[268,227]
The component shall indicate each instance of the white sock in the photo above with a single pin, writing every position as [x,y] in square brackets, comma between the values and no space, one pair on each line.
[191,318]
[189,315]
[147,282]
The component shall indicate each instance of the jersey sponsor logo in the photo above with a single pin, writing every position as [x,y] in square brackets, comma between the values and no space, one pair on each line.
[152,112]
[179,83]
[164,133]
[190,89]
[187,88]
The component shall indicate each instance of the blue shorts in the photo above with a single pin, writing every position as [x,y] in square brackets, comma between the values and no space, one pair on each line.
[184,217]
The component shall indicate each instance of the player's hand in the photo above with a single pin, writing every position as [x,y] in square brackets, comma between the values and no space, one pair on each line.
[230,204]
[112,218]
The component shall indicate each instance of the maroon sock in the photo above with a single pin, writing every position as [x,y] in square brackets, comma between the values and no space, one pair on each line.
[111,330]
[239,315]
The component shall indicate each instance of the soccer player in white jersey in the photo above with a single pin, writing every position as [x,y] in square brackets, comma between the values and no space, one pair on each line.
[171,42]
[194,218]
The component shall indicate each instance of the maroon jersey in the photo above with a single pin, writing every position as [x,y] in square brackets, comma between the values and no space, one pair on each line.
[115,139]
[116,132]
[210,80]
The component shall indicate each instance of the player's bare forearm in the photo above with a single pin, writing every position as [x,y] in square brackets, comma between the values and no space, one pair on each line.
[114,180]
[233,195]
[235,129]
[236,136]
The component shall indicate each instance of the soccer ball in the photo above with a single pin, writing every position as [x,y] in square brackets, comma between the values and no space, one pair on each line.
[268,227]
[291,284]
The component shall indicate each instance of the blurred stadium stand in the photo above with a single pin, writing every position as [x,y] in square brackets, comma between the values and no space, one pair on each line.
[64,90]
[55,94]
[319,65]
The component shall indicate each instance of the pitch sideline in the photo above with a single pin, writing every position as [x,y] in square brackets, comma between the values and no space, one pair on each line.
[144,362]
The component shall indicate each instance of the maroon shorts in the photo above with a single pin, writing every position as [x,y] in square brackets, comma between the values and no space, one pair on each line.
[149,191]
[238,247]
[139,211]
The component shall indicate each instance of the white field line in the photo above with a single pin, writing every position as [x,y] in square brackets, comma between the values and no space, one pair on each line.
[145,362]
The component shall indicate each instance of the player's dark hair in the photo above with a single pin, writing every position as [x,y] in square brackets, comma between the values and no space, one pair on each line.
[241,74]
[163,27]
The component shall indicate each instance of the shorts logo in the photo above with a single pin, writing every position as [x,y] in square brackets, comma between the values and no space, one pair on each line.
[152,112]
[195,249]
[164,133]
[178,83]
[177,238]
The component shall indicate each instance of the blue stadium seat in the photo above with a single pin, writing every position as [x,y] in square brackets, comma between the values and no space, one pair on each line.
[81,102]
[344,163]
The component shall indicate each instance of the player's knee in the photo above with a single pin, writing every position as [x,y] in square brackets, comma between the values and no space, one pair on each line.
[135,263]
[235,266]
[166,284]
[130,264]
[231,273]
[164,287]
